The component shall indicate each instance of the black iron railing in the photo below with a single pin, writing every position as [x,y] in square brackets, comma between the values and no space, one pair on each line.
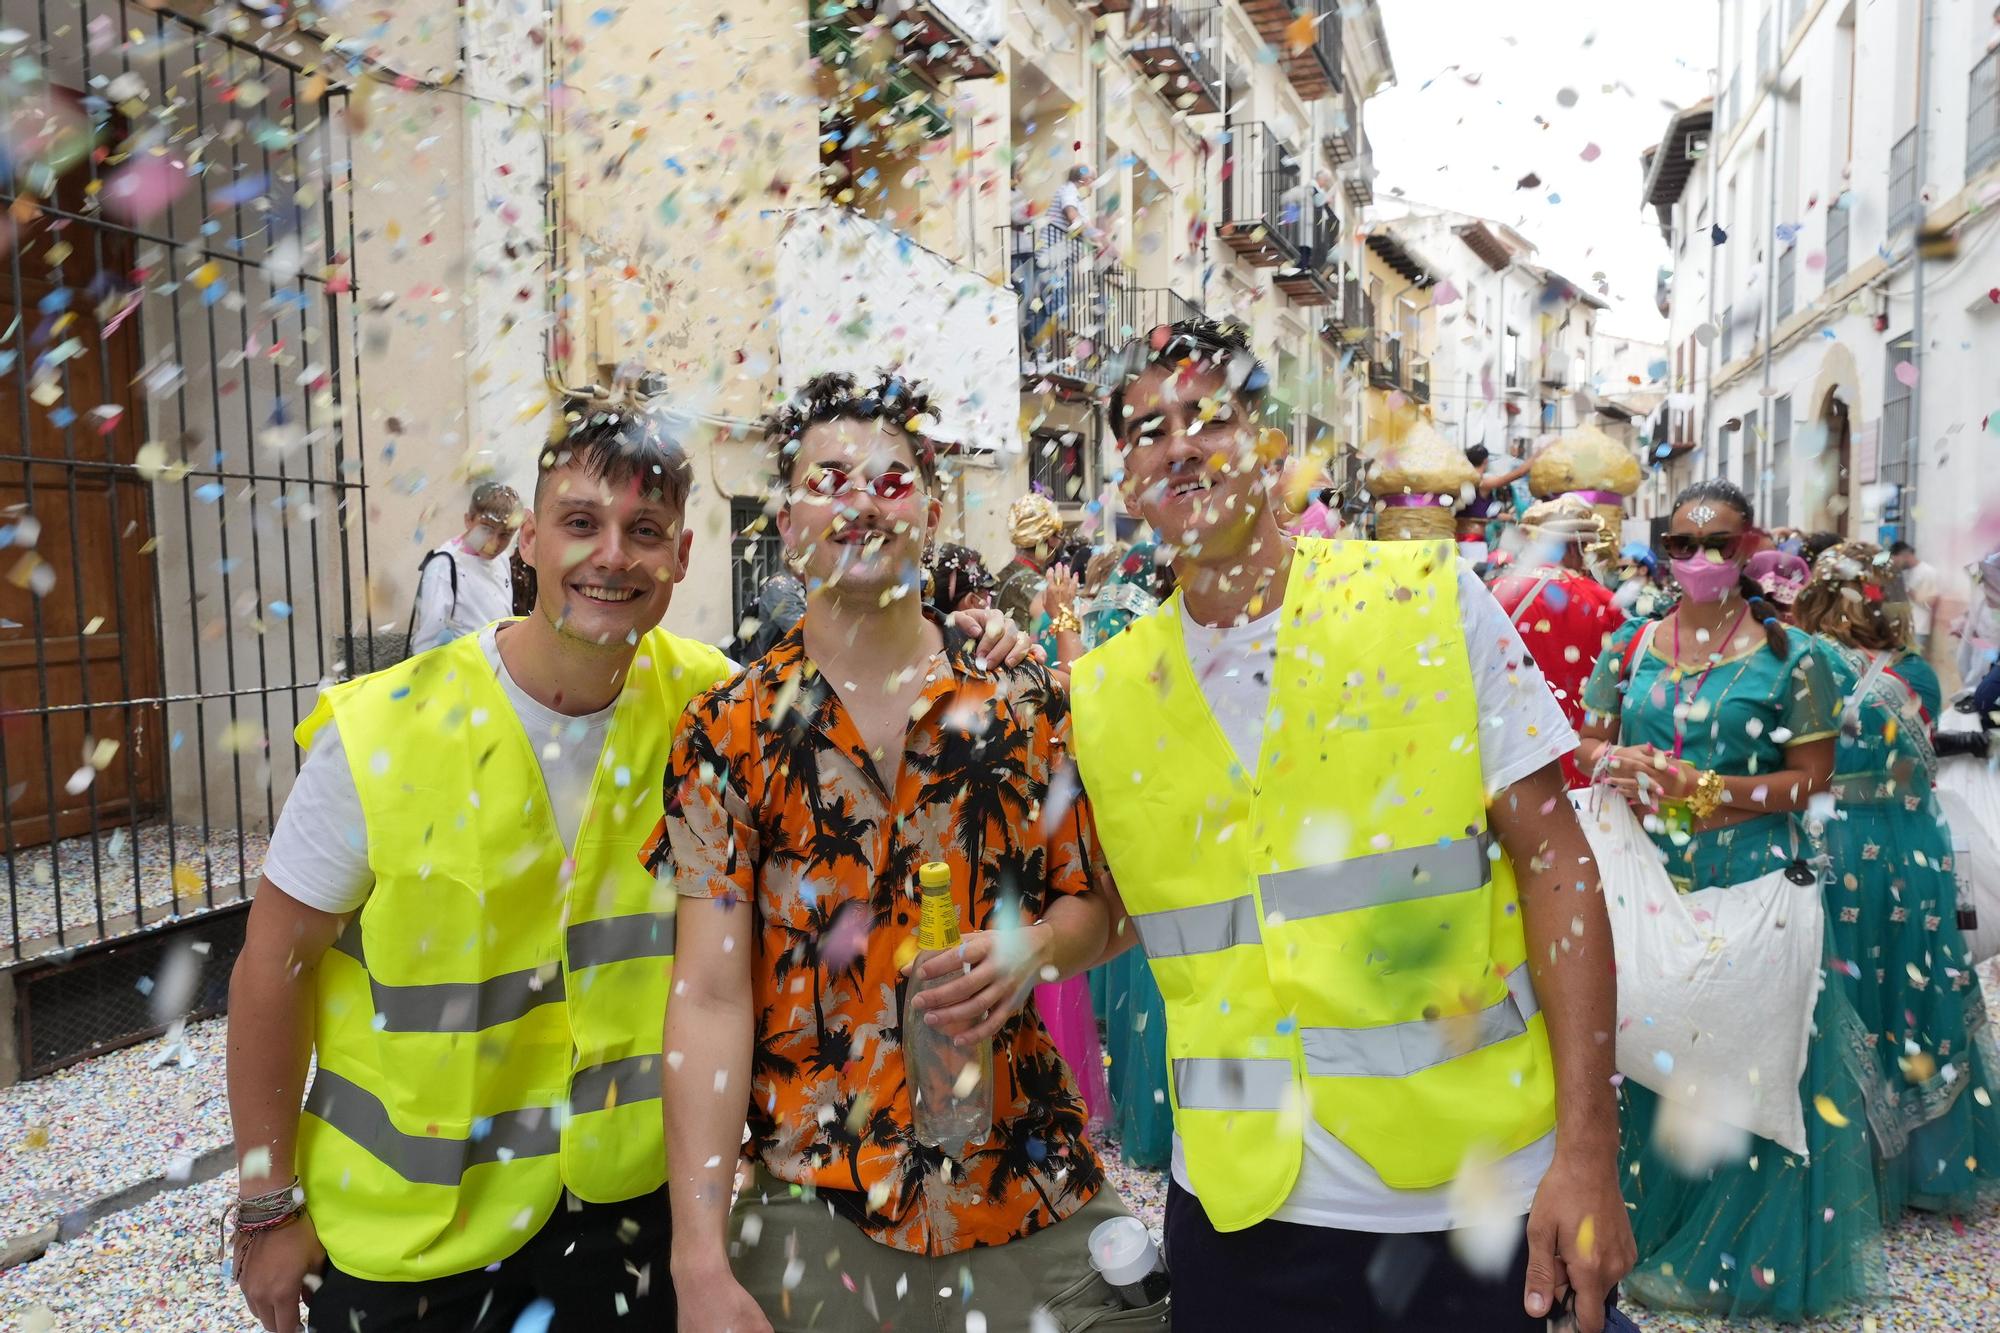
[1265,193]
[1326,38]
[1180,43]
[1072,300]
[1420,379]
[1385,362]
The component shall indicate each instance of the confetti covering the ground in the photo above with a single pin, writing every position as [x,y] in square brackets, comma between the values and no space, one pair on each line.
[101,1125]
[171,861]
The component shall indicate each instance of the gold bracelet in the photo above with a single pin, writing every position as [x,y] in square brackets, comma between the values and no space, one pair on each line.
[1065,622]
[1707,795]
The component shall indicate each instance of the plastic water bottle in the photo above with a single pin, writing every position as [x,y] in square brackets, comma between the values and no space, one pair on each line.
[951,1087]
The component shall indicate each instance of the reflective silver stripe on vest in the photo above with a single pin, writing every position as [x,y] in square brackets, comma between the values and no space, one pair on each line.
[618,939]
[1234,1085]
[1408,873]
[1397,1050]
[454,1006]
[636,1078]
[424,1159]
[1206,928]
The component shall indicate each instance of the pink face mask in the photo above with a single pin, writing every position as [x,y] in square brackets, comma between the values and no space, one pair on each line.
[1706,580]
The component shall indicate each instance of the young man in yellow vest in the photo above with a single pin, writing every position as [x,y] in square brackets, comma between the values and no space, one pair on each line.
[454,920]
[1325,776]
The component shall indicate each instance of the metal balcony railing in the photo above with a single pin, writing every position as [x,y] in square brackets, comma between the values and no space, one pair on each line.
[1982,116]
[1072,301]
[1385,362]
[1267,203]
[1905,210]
[1179,44]
[1314,69]
[1420,380]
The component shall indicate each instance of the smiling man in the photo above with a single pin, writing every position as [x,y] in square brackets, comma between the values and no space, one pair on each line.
[1324,775]
[454,920]
[802,797]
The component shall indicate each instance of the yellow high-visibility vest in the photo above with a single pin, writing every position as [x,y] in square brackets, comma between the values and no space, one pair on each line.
[1333,930]
[489,1024]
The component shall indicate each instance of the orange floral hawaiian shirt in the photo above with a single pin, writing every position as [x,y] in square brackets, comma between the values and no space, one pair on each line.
[771,798]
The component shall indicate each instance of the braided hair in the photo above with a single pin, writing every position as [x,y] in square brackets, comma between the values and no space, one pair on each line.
[1722,491]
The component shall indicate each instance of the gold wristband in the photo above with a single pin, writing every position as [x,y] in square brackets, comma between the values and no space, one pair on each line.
[1065,622]
[1707,795]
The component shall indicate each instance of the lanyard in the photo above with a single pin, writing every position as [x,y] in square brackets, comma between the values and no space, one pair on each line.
[1682,700]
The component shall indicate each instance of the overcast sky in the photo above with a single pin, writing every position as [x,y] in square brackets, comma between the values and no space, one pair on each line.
[1479,104]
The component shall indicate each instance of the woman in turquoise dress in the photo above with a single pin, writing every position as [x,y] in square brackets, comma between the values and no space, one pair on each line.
[1718,723]
[1893,902]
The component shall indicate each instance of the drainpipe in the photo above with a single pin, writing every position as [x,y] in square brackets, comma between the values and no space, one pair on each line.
[1715,134]
[1903,500]
[1771,100]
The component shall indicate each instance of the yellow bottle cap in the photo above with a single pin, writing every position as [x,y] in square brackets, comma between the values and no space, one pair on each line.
[934,875]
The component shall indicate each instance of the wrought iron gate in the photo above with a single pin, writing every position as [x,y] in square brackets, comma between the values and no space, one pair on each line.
[183,537]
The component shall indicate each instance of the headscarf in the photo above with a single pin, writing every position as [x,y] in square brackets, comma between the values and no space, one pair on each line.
[1856,598]
[1033,521]
[1780,574]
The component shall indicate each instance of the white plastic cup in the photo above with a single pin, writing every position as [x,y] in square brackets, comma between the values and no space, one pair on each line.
[1124,1255]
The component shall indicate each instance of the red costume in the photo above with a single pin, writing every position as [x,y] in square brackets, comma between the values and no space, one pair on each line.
[1564,628]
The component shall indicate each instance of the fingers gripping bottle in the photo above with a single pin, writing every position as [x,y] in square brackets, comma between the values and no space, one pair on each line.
[951,1087]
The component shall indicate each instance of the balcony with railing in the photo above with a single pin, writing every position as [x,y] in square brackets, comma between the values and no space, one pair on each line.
[942,38]
[1314,67]
[1385,362]
[1313,232]
[1420,379]
[1341,141]
[1179,43]
[1266,199]
[1074,303]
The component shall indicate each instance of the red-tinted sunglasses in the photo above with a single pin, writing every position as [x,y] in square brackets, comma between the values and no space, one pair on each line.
[826,482]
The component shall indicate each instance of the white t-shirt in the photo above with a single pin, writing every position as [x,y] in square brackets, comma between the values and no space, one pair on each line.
[319,850]
[1920,581]
[1521,729]
[485,594]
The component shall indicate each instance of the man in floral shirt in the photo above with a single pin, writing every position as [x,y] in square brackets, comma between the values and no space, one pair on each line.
[801,798]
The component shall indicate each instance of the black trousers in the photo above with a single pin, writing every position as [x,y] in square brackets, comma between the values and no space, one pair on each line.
[591,1266]
[1283,1276]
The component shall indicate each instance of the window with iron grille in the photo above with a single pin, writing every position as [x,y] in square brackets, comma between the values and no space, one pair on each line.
[1778,513]
[1837,219]
[1982,116]
[1765,58]
[1788,282]
[755,554]
[1896,454]
[1753,461]
[1904,209]
[1062,464]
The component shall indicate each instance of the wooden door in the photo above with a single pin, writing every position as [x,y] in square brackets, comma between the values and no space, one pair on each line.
[72,656]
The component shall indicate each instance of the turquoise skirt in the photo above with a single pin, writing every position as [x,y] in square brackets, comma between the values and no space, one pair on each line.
[1135,1042]
[1901,959]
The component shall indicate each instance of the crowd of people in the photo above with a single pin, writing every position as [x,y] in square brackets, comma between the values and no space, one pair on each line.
[589,952]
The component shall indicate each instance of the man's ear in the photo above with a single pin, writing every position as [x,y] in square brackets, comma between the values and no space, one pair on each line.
[528,537]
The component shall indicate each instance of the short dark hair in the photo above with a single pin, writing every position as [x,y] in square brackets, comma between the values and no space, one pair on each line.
[619,443]
[1901,548]
[1215,344]
[891,401]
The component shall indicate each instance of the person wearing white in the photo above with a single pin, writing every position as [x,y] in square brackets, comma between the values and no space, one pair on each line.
[1920,582]
[467,582]
[1522,729]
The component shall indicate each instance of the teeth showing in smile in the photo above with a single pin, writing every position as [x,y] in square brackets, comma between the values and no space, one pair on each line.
[613,595]
[1191,486]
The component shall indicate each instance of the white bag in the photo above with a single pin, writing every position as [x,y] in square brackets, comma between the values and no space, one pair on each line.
[1715,988]
[1968,792]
